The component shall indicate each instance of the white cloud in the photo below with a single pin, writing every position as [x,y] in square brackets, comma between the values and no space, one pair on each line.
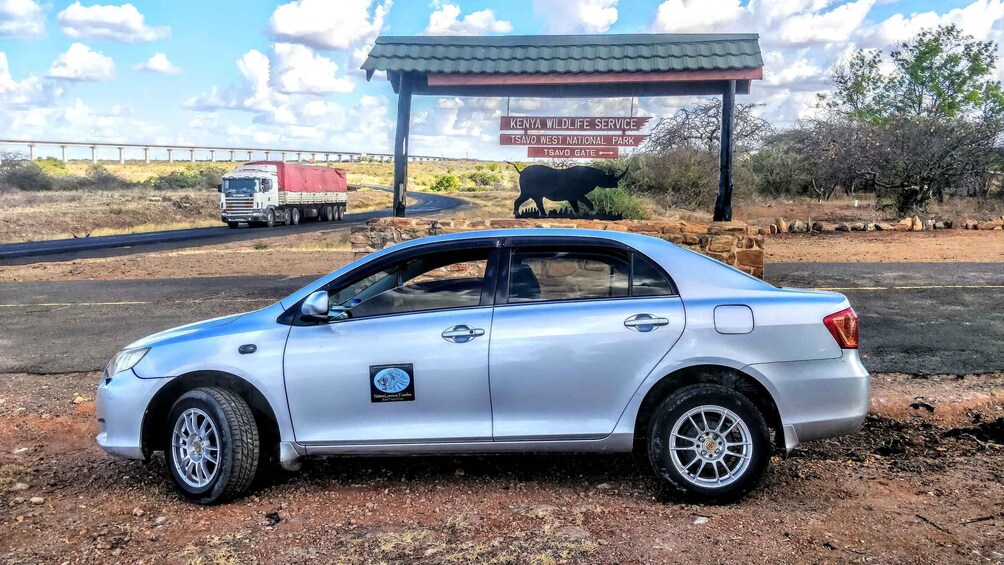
[159,63]
[79,121]
[297,69]
[834,26]
[117,23]
[27,92]
[21,18]
[445,20]
[323,24]
[576,16]
[983,19]
[79,62]
[680,16]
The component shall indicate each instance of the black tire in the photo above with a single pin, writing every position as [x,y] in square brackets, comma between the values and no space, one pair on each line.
[340,213]
[294,216]
[239,446]
[269,218]
[233,225]
[660,441]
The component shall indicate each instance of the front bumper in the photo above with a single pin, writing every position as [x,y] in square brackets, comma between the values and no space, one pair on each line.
[818,399]
[120,405]
[242,215]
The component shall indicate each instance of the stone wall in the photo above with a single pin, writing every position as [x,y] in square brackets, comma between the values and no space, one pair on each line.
[733,243]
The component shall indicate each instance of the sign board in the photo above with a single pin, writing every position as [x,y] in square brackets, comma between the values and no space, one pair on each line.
[525,123]
[572,152]
[571,140]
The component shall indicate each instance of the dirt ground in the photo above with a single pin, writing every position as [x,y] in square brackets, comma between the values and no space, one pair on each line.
[32,216]
[923,482]
[323,251]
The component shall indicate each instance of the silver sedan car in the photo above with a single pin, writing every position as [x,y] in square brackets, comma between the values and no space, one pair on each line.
[552,340]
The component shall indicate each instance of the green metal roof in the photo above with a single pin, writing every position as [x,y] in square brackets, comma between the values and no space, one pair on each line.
[559,54]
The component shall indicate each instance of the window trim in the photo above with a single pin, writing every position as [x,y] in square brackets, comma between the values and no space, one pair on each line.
[291,316]
[570,243]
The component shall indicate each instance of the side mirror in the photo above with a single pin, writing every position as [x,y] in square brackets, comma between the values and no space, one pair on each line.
[315,306]
[219,187]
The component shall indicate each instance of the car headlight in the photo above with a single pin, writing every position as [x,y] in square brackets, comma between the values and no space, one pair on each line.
[125,360]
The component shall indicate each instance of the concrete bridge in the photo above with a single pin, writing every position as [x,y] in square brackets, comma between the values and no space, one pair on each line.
[212,153]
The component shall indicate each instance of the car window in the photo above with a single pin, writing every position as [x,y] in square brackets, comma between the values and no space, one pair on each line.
[541,275]
[429,282]
[647,280]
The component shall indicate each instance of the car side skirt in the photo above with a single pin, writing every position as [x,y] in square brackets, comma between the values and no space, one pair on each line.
[613,443]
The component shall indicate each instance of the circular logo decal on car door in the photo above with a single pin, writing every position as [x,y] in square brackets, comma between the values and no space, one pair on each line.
[391,380]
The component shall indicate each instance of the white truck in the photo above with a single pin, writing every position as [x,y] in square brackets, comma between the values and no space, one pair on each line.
[266,193]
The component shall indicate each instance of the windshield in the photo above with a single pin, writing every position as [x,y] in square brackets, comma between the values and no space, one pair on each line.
[239,187]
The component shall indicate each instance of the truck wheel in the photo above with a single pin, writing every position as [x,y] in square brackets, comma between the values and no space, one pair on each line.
[340,213]
[270,218]
[709,444]
[214,445]
[294,216]
[329,214]
[233,225]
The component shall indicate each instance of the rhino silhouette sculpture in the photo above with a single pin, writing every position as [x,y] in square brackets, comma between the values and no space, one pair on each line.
[538,182]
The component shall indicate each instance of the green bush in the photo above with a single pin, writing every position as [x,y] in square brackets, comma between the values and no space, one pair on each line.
[446,183]
[486,176]
[620,202]
[52,166]
[201,178]
[26,176]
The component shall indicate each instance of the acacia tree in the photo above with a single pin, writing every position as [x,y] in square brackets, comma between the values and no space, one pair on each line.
[700,127]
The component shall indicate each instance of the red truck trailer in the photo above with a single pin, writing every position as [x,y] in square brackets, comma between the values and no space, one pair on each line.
[265,193]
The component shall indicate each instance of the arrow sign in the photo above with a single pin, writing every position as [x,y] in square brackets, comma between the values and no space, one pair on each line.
[510,123]
[572,152]
[571,140]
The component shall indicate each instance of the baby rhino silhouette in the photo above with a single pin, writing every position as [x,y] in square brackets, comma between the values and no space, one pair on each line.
[538,182]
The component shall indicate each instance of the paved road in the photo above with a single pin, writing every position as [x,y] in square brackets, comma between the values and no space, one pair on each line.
[114,245]
[916,318]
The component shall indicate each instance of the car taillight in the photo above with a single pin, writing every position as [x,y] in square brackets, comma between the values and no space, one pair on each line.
[843,325]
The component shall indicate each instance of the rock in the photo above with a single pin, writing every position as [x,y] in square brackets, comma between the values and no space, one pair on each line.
[798,226]
[603,486]
[883,226]
[160,521]
[16,500]
[574,532]
[782,226]
[858,226]
[843,227]
[137,512]
[939,225]
[699,520]
[870,227]
[79,399]
[991,225]
[971,225]
[917,224]
[905,224]
[20,451]
[818,226]
[19,486]
[929,225]
[958,223]
[36,500]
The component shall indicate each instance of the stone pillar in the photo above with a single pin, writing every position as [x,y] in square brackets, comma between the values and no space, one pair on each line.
[31,151]
[299,157]
[191,155]
[121,155]
[94,155]
[146,154]
[283,156]
[268,155]
[250,157]
[231,155]
[170,155]
[212,155]
[62,152]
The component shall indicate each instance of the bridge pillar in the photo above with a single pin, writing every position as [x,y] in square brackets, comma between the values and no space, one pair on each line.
[121,156]
[299,157]
[212,155]
[170,155]
[146,154]
[250,156]
[191,155]
[313,157]
[62,152]
[268,155]
[94,155]
[231,155]
[31,151]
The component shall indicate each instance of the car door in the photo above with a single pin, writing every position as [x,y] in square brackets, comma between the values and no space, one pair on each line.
[410,364]
[577,328]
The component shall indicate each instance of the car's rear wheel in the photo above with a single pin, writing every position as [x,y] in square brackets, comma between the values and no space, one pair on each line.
[709,444]
[213,449]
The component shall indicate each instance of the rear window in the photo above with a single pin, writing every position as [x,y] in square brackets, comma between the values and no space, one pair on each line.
[647,280]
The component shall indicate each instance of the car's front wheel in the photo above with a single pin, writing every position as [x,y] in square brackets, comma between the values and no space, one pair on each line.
[213,448]
[709,444]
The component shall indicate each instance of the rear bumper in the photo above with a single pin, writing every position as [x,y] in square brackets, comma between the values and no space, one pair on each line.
[818,399]
[120,405]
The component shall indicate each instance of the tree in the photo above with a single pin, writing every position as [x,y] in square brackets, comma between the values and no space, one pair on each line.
[700,128]
[940,73]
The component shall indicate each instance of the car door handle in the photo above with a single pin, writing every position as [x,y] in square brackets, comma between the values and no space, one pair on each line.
[462,333]
[645,322]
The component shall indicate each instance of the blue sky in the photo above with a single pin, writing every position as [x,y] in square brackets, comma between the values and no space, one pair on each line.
[285,74]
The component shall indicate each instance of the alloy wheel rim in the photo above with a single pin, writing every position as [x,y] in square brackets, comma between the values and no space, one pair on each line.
[711,446]
[195,444]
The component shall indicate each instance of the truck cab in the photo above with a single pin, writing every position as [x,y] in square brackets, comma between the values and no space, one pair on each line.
[248,192]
